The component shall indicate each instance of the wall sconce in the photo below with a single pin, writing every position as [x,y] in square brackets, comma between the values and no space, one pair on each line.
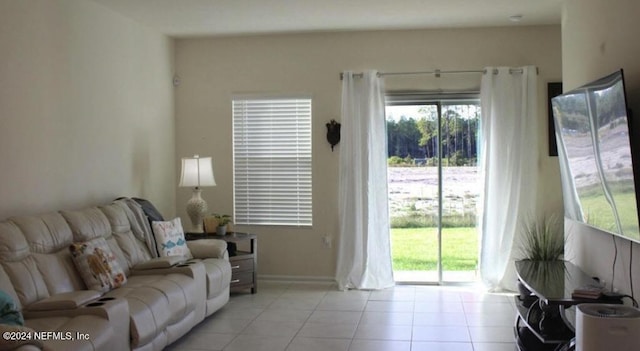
[333,133]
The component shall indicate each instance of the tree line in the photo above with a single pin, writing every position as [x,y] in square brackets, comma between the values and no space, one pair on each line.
[414,139]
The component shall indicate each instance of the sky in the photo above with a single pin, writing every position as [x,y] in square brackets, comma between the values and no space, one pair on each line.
[395,112]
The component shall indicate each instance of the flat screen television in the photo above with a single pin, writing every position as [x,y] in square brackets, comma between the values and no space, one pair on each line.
[596,159]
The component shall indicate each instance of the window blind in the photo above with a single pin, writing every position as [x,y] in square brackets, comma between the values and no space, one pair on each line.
[272,161]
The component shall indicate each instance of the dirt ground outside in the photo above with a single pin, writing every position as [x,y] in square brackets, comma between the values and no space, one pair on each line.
[415,189]
[413,193]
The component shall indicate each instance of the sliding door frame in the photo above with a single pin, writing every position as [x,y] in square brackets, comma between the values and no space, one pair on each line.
[434,99]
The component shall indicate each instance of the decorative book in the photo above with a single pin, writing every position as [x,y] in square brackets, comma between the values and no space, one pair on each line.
[588,292]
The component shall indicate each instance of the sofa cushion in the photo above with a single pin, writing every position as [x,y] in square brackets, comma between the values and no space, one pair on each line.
[133,248]
[19,269]
[48,237]
[13,245]
[97,265]
[91,223]
[156,301]
[27,280]
[170,238]
[148,314]
[46,233]
[87,224]
[218,273]
[177,287]
[59,272]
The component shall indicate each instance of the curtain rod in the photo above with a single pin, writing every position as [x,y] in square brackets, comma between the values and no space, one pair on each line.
[437,73]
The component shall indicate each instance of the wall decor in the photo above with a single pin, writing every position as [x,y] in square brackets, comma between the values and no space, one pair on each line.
[333,133]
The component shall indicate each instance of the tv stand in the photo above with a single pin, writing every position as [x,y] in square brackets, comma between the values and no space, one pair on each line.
[545,320]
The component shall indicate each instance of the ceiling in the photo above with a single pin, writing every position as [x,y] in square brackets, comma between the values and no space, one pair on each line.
[192,18]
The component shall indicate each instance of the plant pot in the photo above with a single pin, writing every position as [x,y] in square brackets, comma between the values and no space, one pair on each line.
[221,230]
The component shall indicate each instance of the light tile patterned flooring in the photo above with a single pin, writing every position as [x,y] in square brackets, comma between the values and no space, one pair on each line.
[318,317]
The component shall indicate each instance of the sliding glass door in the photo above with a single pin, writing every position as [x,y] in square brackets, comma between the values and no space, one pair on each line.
[433,187]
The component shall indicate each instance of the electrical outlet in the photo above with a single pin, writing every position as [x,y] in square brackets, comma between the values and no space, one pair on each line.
[326,241]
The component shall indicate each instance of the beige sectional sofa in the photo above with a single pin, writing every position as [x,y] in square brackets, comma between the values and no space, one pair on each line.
[162,299]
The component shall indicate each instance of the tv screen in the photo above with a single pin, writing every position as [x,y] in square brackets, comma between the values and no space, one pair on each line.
[596,164]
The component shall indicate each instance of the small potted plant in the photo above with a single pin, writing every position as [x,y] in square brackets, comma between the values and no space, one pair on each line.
[223,221]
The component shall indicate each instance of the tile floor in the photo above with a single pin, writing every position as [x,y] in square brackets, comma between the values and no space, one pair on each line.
[318,317]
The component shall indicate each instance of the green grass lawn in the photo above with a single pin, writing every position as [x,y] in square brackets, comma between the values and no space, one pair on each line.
[598,212]
[416,249]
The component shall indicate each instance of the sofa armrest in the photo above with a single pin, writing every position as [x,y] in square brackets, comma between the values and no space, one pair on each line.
[207,248]
[159,262]
[115,310]
[188,268]
[64,301]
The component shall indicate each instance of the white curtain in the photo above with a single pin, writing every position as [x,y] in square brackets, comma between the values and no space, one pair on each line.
[364,251]
[508,167]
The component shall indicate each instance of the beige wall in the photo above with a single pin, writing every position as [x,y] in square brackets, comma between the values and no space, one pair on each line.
[599,37]
[86,108]
[212,70]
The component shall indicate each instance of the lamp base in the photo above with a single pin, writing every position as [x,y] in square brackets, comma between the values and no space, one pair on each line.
[196,209]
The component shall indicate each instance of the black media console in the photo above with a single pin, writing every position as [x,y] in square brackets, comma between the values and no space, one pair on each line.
[545,320]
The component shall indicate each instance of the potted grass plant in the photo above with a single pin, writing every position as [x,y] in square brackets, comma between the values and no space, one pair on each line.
[542,240]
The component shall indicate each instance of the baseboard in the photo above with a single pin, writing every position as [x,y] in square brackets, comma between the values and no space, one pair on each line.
[296,278]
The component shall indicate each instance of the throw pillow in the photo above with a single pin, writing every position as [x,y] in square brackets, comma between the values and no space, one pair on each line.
[97,265]
[9,311]
[170,238]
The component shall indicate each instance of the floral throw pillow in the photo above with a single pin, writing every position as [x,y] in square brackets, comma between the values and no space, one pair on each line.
[97,265]
[170,238]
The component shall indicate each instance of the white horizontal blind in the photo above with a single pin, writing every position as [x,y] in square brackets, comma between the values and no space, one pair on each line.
[272,161]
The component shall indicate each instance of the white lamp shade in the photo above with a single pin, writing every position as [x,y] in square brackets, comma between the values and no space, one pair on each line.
[197,172]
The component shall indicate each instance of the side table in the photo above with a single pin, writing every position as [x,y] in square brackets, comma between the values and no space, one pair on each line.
[244,264]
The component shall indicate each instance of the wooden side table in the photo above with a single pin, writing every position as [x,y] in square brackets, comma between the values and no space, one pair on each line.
[244,264]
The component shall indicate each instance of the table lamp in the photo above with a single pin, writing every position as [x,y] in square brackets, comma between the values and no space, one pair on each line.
[197,172]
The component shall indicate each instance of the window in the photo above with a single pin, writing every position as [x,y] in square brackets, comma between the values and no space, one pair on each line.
[272,161]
